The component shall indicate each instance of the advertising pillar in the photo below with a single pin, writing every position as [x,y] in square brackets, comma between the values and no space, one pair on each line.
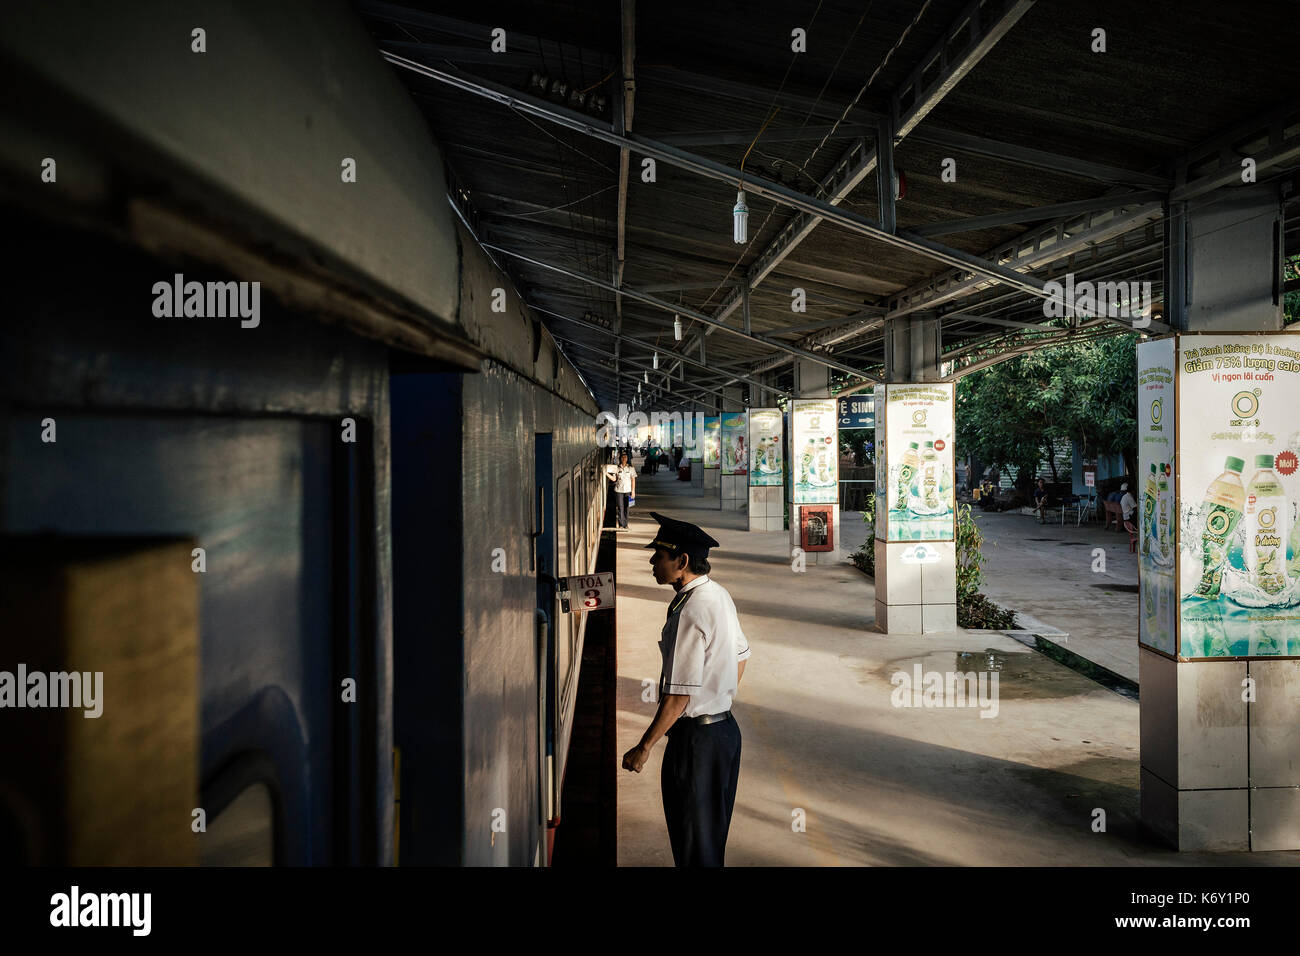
[766,470]
[735,460]
[815,480]
[695,452]
[1219,446]
[712,455]
[916,557]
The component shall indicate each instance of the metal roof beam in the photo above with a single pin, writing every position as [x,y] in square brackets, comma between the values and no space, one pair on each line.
[621,337]
[743,137]
[623,125]
[1041,159]
[1270,140]
[1029,251]
[1036,213]
[923,91]
[643,368]
[682,310]
[714,170]
[984,25]
[687,286]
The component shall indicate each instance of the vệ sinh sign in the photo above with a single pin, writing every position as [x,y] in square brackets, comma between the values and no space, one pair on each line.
[856,411]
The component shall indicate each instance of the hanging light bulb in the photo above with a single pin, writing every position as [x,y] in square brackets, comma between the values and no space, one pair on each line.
[645,377]
[677,327]
[740,213]
[656,361]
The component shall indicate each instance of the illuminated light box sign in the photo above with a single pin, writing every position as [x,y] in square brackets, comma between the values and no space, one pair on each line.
[914,455]
[1218,452]
[712,441]
[766,457]
[814,451]
[735,450]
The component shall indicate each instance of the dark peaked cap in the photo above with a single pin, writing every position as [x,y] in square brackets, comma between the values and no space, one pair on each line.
[677,536]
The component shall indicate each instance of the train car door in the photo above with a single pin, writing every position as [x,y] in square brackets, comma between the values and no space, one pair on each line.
[543,563]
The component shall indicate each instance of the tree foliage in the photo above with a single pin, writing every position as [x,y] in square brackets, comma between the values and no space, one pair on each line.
[1291,300]
[1013,412]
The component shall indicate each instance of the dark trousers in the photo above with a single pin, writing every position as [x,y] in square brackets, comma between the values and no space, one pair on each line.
[620,503]
[700,769]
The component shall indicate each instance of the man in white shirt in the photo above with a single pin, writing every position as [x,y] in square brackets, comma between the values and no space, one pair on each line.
[704,652]
[1127,503]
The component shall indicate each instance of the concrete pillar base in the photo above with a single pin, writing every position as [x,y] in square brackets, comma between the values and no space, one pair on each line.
[735,492]
[712,479]
[1215,777]
[766,508]
[915,618]
[697,473]
[916,586]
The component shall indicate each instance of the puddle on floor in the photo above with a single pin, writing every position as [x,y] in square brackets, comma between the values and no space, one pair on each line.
[1022,675]
[1125,588]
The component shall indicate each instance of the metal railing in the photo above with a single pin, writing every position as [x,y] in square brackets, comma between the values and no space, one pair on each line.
[854,493]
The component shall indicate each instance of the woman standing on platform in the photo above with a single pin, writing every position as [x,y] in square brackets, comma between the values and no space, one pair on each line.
[624,478]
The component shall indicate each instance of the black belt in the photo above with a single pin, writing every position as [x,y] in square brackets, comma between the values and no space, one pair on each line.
[709,718]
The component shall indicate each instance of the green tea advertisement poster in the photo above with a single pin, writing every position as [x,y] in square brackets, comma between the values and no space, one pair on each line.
[814,451]
[766,436]
[1157,620]
[1238,559]
[735,449]
[712,441]
[919,499]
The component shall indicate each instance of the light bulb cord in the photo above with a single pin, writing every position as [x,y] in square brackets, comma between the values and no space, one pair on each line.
[753,144]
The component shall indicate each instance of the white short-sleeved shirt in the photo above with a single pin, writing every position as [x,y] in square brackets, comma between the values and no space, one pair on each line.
[623,479]
[701,646]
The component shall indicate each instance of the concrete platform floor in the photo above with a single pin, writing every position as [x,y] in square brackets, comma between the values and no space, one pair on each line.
[1050,572]
[878,784]
[1050,575]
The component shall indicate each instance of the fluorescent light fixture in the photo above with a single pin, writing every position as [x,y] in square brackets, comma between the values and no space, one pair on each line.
[740,215]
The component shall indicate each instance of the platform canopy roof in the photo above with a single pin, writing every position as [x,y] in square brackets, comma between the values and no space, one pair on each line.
[1021,152]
